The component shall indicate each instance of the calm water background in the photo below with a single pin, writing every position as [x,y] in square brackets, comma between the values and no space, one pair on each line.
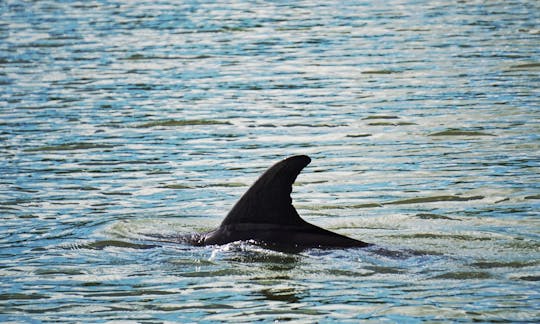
[120,120]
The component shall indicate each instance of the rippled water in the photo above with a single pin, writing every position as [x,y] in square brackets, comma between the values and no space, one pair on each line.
[121,120]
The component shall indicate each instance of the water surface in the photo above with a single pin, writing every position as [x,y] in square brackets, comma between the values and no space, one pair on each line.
[120,120]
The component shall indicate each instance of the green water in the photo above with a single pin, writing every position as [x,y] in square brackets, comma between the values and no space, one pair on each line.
[124,121]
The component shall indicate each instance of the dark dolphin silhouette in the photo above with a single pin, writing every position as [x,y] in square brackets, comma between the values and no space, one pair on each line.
[265,214]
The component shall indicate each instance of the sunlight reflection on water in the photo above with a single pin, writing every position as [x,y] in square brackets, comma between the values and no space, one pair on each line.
[126,121]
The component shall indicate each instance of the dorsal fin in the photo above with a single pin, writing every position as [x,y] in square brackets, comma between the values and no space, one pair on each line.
[268,200]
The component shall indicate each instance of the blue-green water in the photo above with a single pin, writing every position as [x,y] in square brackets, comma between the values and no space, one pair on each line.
[120,120]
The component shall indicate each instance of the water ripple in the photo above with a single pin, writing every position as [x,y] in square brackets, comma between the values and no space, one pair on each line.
[124,125]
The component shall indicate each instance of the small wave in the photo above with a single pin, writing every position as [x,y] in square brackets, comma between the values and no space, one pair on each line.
[459,132]
[177,123]
[70,147]
[421,200]
[103,244]
[464,275]
[21,296]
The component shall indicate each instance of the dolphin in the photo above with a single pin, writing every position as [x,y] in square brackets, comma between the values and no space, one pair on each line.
[265,215]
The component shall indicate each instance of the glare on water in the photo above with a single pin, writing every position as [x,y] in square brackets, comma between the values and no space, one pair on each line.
[125,121]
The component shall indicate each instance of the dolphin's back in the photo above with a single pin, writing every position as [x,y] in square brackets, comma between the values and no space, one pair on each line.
[268,200]
[265,214]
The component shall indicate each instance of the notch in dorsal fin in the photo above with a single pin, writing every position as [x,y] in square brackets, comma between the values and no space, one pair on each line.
[268,200]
